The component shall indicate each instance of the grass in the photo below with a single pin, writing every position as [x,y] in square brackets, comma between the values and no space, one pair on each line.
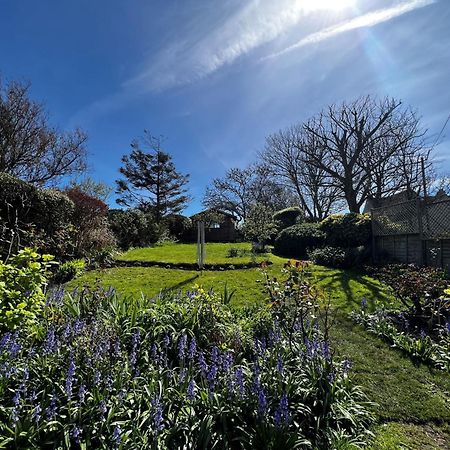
[413,401]
[216,253]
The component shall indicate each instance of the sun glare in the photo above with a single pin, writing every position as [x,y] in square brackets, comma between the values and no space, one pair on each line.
[334,5]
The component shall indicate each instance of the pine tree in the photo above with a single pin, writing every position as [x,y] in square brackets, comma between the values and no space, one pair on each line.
[151,181]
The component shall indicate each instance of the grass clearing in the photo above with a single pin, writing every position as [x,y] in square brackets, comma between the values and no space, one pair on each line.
[216,253]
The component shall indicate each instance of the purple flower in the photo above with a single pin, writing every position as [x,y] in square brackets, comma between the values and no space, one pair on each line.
[102,409]
[134,345]
[202,363]
[97,378]
[182,376]
[280,364]
[346,365]
[70,375]
[116,437]
[363,303]
[50,411]
[262,401]
[190,393]
[215,355]
[166,340]
[423,334]
[50,343]
[211,377]
[76,434]
[192,350]
[227,361]
[281,415]
[158,422]
[182,346]
[81,393]
[239,380]
[36,414]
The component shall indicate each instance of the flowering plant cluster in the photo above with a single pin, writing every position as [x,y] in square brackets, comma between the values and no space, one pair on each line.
[178,371]
[397,329]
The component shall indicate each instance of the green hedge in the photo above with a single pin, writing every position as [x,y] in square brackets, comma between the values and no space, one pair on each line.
[133,228]
[296,240]
[339,257]
[33,217]
[288,217]
[347,230]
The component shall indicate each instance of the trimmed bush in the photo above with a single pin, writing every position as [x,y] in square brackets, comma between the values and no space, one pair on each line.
[347,230]
[338,257]
[33,217]
[133,228]
[296,240]
[287,217]
[68,271]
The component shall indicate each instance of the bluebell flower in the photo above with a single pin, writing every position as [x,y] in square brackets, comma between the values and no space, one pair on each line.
[50,411]
[166,340]
[192,350]
[227,361]
[102,409]
[202,363]
[280,365]
[211,377]
[69,377]
[190,393]
[182,346]
[281,415]
[76,434]
[239,381]
[36,414]
[97,378]
[262,401]
[50,343]
[158,421]
[182,375]
[423,334]
[346,365]
[363,303]
[116,437]
[81,393]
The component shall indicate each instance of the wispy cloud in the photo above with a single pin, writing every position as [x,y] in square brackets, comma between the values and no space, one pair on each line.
[204,52]
[364,21]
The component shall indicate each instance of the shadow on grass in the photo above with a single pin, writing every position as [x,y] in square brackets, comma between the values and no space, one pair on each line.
[182,283]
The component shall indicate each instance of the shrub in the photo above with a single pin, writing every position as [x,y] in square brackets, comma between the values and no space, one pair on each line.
[22,286]
[34,217]
[421,290]
[296,240]
[133,228]
[347,230]
[68,271]
[340,258]
[233,252]
[178,226]
[259,226]
[288,217]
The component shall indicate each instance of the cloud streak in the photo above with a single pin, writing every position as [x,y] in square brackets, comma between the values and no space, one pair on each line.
[364,21]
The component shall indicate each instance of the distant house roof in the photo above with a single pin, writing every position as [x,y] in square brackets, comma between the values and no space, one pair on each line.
[212,211]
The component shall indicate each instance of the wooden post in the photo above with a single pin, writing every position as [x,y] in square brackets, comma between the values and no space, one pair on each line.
[200,244]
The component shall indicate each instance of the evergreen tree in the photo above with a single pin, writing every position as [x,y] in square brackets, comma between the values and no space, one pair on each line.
[151,181]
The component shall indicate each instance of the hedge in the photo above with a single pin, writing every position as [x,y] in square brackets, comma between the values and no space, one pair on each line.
[347,230]
[287,217]
[295,241]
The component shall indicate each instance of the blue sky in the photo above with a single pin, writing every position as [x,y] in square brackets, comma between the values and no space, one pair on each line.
[217,76]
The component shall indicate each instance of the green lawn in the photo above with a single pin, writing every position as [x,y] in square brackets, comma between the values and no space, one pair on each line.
[216,253]
[413,402]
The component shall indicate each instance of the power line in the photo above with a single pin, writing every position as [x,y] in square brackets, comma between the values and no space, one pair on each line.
[440,133]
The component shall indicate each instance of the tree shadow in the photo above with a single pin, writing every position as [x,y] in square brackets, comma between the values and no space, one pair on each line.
[182,283]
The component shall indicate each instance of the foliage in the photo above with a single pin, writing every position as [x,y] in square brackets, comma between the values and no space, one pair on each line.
[434,350]
[90,220]
[338,257]
[93,188]
[30,147]
[287,217]
[259,226]
[30,216]
[68,271]
[174,371]
[151,181]
[421,290]
[347,230]
[22,285]
[133,228]
[296,240]
[178,226]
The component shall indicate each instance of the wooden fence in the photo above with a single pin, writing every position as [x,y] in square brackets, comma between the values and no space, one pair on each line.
[415,231]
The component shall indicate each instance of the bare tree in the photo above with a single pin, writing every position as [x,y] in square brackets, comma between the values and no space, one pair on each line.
[240,189]
[30,148]
[367,148]
[287,156]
